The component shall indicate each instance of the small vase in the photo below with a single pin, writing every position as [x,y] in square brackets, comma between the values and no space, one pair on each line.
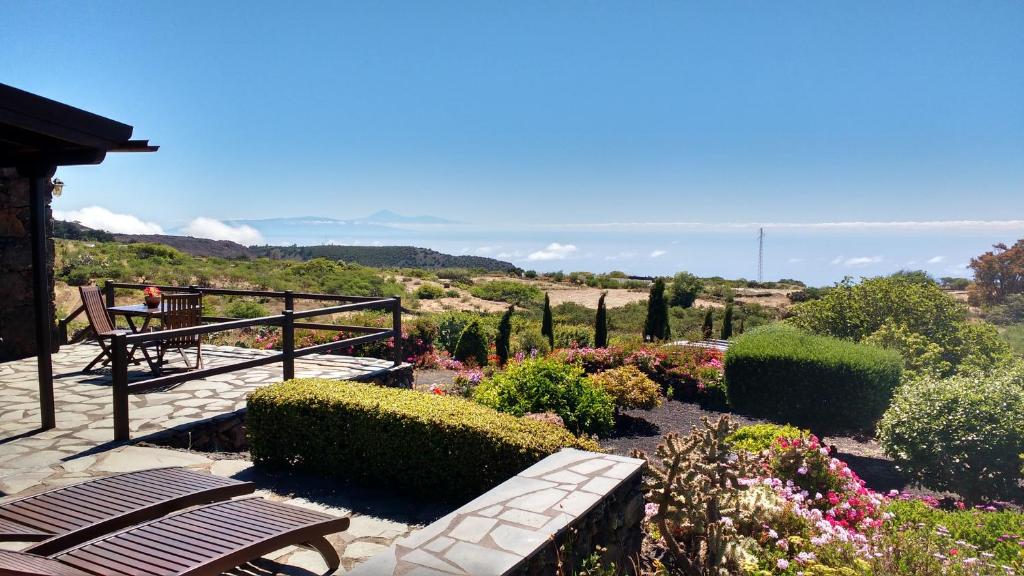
[152,301]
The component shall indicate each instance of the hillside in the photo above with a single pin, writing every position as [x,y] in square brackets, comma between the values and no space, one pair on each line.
[385,257]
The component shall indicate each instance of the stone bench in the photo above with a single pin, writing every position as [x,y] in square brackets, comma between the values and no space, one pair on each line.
[573,497]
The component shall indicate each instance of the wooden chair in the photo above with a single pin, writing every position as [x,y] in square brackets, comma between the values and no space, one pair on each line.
[70,515]
[203,541]
[181,311]
[101,325]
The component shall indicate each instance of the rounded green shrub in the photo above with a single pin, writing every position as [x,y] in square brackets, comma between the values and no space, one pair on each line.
[532,342]
[963,434]
[240,308]
[828,385]
[630,387]
[441,446]
[549,385]
[574,336]
[757,438]
[429,291]
[472,345]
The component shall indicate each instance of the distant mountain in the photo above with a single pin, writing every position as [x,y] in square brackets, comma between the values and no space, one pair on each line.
[187,244]
[385,256]
[389,217]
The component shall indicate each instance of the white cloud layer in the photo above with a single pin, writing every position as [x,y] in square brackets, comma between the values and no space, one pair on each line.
[857,261]
[892,226]
[658,253]
[936,259]
[100,218]
[216,230]
[554,251]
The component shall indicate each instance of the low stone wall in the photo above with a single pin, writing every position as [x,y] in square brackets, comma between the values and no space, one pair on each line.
[226,433]
[558,509]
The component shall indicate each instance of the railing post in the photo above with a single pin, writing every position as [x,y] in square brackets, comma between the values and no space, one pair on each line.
[396,316]
[289,300]
[288,344]
[62,331]
[119,349]
[108,291]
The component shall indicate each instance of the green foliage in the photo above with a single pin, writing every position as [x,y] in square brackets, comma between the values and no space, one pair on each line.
[240,308]
[823,383]
[1014,336]
[573,336]
[708,327]
[897,308]
[440,446]
[684,289]
[757,438]
[694,481]
[506,291]
[472,345]
[656,325]
[964,434]
[1011,311]
[406,257]
[549,385]
[727,323]
[547,328]
[629,387]
[985,530]
[429,291]
[532,342]
[502,343]
[601,323]
[952,283]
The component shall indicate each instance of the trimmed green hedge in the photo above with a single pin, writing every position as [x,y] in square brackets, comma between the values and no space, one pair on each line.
[443,446]
[788,375]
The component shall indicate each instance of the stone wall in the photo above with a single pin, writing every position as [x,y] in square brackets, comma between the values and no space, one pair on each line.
[559,509]
[17,322]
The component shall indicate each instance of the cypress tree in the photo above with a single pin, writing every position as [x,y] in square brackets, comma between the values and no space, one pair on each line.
[727,323]
[502,343]
[601,324]
[472,345]
[656,326]
[709,325]
[741,328]
[547,326]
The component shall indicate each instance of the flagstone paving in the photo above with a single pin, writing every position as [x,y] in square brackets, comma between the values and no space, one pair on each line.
[82,447]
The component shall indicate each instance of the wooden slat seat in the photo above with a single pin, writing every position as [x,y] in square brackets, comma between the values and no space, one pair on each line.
[203,541]
[64,517]
[21,564]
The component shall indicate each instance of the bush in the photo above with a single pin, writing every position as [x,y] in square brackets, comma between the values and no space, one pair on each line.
[986,530]
[430,291]
[549,385]
[757,438]
[531,342]
[245,309]
[911,310]
[786,374]
[428,444]
[629,387]
[472,345]
[573,336]
[964,434]
[506,291]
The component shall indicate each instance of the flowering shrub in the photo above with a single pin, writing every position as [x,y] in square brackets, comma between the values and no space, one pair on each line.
[630,387]
[690,373]
[757,438]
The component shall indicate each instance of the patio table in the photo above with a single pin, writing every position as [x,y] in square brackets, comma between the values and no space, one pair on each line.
[136,311]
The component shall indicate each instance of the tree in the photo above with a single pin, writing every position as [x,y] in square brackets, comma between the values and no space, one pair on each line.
[741,328]
[998,274]
[727,323]
[503,342]
[472,346]
[547,327]
[656,326]
[685,288]
[601,324]
[709,325]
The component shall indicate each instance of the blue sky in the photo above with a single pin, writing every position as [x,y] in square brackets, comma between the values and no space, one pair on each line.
[554,113]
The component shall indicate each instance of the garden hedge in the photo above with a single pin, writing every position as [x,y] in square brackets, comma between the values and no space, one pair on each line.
[788,375]
[443,446]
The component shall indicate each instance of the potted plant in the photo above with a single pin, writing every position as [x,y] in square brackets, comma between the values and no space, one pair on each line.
[152,296]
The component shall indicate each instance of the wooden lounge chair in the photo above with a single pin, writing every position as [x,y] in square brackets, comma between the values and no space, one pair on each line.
[181,311]
[64,517]
[101,325]
[203,541]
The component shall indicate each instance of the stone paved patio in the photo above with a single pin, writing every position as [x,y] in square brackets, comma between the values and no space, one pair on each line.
[82,446]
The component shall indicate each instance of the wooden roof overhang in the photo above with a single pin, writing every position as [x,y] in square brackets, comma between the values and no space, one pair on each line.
[36,136]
